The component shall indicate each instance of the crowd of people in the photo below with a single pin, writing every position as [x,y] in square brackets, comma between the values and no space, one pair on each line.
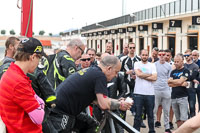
[52,93]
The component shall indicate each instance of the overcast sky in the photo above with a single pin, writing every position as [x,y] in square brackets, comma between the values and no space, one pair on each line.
[54,16]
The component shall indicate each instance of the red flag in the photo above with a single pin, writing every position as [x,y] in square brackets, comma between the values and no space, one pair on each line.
[27,18]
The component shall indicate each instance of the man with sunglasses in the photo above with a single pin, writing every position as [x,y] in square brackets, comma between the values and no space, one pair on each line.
[128,62]
[193,68]
[162,90]
[128,67]
[63,64]
[85,62]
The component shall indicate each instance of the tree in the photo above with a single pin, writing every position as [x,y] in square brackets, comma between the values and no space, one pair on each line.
[50,34]
[61,33]
[12,32]
[3,32]
[33,33]
[41,32]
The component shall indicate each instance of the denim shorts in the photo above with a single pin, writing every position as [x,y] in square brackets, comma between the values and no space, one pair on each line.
[180,108]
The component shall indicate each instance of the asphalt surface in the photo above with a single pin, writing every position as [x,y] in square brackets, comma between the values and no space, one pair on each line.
[130,118]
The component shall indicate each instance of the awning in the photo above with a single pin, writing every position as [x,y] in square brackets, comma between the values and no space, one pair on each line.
[173,35]
[192,34]
[153,36]
[46,43]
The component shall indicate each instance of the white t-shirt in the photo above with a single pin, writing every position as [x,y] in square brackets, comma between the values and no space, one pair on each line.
[142,86]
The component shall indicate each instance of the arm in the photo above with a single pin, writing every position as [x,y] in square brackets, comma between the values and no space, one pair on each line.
[36,114]
[153,77]
[33,105]
[45,88]
[190,125]
[122,86]
[177,82]
[112,104]
[142,75]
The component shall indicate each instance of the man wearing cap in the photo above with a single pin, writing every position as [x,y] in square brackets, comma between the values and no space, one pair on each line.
[20,108]
[40,83]
[63,63]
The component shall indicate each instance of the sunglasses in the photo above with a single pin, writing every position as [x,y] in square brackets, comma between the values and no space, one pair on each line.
[131,47]
[88,59]
[194,55]
[161,54]
[186,55]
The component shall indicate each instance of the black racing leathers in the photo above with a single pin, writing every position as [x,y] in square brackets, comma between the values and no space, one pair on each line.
[61,65]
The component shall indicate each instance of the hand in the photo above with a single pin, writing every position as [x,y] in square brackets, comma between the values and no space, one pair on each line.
[133,76]
[40,101]
[196,81]
[121,98]
[184,84]
[125,105]
[129,72]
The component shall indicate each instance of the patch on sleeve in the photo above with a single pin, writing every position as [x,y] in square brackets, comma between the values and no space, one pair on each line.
[71,70]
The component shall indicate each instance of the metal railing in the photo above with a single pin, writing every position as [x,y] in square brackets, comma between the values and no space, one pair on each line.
[112,117]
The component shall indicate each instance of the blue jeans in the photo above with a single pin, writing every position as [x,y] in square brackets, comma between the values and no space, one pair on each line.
[148,102]
[192,100]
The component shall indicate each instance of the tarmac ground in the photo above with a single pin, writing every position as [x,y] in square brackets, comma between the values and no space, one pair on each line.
[130,118]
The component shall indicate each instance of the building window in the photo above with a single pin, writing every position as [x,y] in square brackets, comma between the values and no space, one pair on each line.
[182,6]
[144,15]
[96,47]
[172,8]
[88,44]
[147,14]
[154,12]
[91,43]
[195,5]
[189,5]
[158,11]
[150,13]
[167,9]
[177,7]
[162,10]
[101,46]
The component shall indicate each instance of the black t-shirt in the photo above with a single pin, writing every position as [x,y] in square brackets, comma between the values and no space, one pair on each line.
[80,89]
[180,91]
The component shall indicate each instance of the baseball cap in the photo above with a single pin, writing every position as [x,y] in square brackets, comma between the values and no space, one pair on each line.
[31,45]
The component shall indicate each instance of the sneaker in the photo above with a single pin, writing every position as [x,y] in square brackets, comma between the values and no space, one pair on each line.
[142,125]
[171,125]
[167,131]
[157,124]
